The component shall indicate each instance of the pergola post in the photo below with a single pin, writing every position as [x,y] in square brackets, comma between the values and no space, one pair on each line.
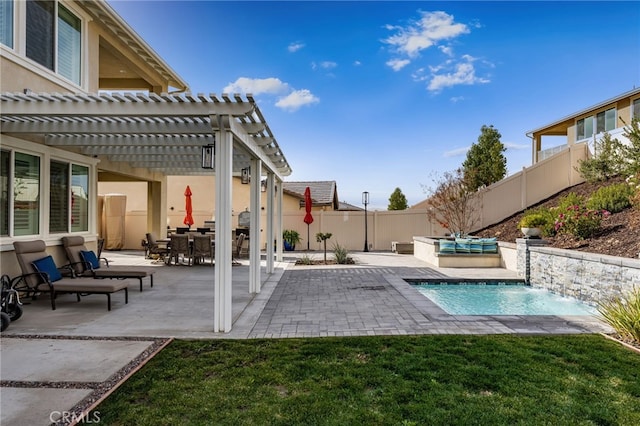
[254,226]
[224,182]
[278,227]
[270,224]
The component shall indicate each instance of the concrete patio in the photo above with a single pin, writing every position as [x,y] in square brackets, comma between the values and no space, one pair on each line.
[62,347]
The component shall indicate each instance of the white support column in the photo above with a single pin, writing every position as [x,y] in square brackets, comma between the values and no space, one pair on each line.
[254,226]
[224,183]
[270,224]
[278,227]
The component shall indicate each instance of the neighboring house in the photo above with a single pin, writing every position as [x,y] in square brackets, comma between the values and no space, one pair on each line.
[323,193]
[85,99]
[588,125]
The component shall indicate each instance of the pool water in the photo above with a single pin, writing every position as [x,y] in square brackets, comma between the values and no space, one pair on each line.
[474,299]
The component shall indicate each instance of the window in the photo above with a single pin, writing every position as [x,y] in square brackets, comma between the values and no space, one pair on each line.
[59,197]
[5,172]
[26,194]
[40,32]
[68,45]
[606,121]
[635,110]
[585,128]
[68,182]
[79,198]
[6,22]
[41,42]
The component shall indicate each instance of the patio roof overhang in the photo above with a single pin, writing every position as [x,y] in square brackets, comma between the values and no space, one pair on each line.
[162,133]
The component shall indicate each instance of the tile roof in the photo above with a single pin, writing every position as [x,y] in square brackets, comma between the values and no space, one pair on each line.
[322,192]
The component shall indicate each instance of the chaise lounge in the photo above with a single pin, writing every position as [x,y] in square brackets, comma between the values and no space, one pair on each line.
[87,264]
[41,275]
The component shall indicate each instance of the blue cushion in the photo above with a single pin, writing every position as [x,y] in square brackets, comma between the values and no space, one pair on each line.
[48,266]
[489,245]
[91,258]
[475,246]
[463,245]
[447,246]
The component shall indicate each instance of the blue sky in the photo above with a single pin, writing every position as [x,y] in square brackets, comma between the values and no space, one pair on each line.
[377,95]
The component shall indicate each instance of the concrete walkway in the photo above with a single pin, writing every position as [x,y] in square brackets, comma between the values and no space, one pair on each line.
[53,363]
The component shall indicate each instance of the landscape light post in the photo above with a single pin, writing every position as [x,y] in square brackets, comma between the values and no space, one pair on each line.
[365,201]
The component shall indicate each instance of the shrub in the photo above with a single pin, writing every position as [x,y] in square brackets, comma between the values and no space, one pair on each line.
[634,184]
[623,314]
[341,254]
[305,260]
[613,198]
[579,221]
[532,220]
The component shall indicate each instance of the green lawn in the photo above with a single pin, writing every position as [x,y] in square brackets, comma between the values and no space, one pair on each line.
[402,380]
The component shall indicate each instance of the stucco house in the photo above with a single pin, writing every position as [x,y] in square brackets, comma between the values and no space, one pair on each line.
[84,100]
[588,125]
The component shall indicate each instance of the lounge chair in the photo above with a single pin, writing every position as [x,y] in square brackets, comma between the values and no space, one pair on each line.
[154,249]
[87,264]
[41,275]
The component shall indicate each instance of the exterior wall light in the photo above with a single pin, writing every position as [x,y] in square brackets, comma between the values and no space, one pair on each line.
[208,156]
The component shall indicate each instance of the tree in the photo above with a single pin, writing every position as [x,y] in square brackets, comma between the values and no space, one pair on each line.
[397,200]
[485,162]
[451,204]
[322,238]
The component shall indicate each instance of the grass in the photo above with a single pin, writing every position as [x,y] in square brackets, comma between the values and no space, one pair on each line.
[391,380]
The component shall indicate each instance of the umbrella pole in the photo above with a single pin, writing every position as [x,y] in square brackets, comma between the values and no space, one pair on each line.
[307,237]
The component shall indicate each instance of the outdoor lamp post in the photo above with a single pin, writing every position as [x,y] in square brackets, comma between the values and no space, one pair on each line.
[208,156]
[365,201]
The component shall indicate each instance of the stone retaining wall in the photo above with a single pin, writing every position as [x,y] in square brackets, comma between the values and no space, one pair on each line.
[585,276]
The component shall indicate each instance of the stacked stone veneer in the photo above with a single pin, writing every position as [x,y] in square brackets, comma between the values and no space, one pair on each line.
[585,276]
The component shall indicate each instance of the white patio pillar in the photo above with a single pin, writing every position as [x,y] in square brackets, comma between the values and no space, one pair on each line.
[223,279]
[254,226]
[270,219]
[278,227]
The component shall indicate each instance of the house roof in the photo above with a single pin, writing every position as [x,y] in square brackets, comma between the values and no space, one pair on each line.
[323,193]
[349,207]
[162,133]
[586,110]
[109,19]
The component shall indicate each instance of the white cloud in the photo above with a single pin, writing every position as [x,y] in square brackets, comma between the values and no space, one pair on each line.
[447,50]
[296,99]
[456,152]
[426,32]
[457,99]
[257,86]
[294,47]
[511,145]
[462,73]
[398,64]
[357,63]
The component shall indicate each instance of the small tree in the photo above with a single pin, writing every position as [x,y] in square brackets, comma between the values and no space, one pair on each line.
[606,161]
[485,162]
[451,203]
[397,200]
[322,238]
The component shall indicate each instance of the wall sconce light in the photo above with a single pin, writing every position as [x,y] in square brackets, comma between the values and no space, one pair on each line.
[208,156]
[246,175]
[263,185]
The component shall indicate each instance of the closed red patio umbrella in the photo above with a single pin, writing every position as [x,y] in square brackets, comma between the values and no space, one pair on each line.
[308,218]
[188,219]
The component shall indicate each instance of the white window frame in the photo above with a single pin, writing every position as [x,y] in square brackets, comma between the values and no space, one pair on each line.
[17,54]
[46,155]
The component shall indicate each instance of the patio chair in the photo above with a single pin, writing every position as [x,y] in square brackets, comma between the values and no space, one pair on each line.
[237,250]
[86,263]
[178,246]
[41,275]
[202,248]
[154,248]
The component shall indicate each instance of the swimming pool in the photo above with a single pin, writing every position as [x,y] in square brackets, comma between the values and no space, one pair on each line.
[492,298]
